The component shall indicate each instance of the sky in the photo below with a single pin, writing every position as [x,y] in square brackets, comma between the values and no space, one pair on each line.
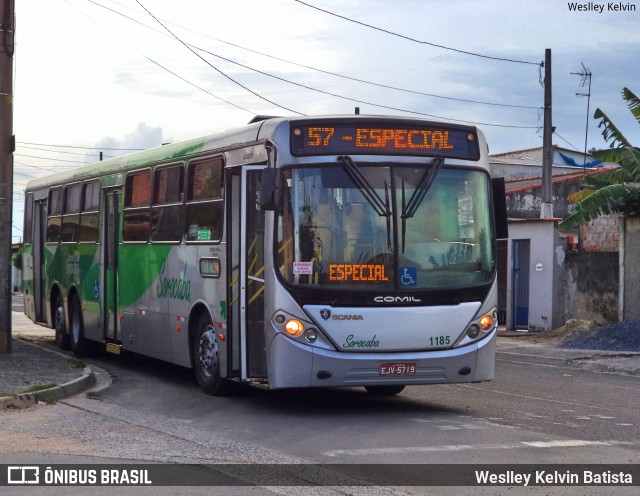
[127,74]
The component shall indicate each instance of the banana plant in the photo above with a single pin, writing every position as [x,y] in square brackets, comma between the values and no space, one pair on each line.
[615,191]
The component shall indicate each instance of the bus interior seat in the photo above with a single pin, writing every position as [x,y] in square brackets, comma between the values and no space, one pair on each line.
[324,222]
[355,224]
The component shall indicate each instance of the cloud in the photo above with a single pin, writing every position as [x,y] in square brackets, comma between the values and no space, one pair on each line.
[142,137]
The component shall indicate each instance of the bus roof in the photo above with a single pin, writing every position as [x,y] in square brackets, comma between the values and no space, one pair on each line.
[259,129]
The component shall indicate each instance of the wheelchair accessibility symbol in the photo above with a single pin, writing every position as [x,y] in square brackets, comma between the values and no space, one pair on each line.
[408,276]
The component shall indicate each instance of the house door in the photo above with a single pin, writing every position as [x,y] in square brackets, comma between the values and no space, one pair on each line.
[520,286]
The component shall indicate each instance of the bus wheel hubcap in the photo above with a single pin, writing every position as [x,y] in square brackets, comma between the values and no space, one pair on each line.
[208,353]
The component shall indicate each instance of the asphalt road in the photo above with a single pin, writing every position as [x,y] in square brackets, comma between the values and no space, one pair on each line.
[540,409]
[537,408]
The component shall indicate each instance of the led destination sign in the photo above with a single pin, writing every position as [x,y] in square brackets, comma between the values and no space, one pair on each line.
[377,138]
[357,272]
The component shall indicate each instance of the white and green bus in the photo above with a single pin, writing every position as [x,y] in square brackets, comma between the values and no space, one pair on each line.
[292,252]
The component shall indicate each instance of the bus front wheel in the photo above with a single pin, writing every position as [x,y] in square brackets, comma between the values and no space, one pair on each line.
[385,390]
[206,359]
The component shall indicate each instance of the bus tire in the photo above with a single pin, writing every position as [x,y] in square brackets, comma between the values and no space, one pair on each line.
[206,359]
[80,345]
[60,324]
[385,390]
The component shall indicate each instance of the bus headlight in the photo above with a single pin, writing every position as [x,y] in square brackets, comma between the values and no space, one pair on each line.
[310,335]
[478,328]
[473,331]
[294,327]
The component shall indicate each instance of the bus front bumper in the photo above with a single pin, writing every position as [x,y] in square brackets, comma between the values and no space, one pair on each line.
[306,366]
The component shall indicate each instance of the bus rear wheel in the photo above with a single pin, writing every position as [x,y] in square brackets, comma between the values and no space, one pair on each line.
[60,324]
[385,390]
[80,345]
[206,359]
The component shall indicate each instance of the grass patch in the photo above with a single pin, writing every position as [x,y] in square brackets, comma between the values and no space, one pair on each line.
[75,363]
[39,387]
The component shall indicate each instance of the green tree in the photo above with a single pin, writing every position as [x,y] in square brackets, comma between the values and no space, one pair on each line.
[17,258]
[615,191]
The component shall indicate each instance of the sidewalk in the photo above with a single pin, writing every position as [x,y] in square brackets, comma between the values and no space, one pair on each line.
[32,367]
[597,349]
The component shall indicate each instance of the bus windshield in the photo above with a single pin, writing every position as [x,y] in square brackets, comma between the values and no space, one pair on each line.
[389,226]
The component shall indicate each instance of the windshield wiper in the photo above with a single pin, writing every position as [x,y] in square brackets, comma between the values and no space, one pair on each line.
[371,195]
[410,209]
[380,206]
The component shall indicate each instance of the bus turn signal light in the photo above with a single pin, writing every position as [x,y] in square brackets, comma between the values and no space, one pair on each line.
[486,322]
[294,327]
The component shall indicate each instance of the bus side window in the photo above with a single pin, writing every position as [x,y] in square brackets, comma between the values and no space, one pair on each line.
[89,216]
[71,214]
[54,220]
[204,211]
[166,213]
[28,219]
[137,198]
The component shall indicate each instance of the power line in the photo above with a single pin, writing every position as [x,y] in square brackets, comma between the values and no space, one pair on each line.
[570,144]
[418,41]
[343,76]
[198,87]
[23,174]
[81,147]
[388,107]
[351,78]
[45,168]
[214,67]
[62,151]
[165,68]
[335,95]
[322,71]
[192,48]
[54,159]
[48,169]
[356,79]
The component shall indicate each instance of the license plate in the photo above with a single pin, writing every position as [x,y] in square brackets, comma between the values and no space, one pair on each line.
[403,368]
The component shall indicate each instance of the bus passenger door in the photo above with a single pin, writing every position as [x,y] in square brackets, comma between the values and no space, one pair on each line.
[39,233]
[245,272]
[110,264]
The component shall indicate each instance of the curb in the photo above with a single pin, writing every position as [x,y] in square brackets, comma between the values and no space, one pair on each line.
[25,400]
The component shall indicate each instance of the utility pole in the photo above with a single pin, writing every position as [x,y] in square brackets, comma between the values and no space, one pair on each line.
[546,211]
[586,81]
[7,145]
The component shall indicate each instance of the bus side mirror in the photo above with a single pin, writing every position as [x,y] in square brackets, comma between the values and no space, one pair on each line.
[500,208]
[269,190]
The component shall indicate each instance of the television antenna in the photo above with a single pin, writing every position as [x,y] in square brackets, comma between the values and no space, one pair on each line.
[585,82]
